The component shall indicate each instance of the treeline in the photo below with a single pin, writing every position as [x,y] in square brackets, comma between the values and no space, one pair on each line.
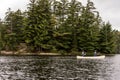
[58,26]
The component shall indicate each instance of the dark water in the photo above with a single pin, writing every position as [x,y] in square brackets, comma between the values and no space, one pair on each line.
[58,68]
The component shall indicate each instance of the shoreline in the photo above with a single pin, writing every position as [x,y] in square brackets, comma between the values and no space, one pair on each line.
[25,53]
[17,53]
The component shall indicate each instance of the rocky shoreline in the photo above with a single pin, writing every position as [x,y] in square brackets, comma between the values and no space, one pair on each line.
[25,53]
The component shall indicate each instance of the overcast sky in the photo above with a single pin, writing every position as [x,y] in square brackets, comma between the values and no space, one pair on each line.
[109,9]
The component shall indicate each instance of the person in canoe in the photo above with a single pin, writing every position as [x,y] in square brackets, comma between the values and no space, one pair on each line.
[95,53]
[83,53]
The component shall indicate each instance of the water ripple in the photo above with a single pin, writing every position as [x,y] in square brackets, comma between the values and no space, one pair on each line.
[58,68]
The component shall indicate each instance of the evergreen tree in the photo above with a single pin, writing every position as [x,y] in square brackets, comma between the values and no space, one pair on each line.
[117,41]
[89,28]
[14,23]
[38,31]
[2,34]
[73,17]
[106,39]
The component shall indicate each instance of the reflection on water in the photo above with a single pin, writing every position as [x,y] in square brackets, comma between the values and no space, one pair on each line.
[58,68]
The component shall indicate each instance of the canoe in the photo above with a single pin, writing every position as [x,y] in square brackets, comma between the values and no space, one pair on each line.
[91,57]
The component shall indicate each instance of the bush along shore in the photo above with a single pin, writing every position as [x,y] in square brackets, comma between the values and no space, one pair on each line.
[61,27]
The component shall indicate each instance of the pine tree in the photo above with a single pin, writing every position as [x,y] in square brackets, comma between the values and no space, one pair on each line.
[89,28]
[38,30]
[2,34]
[14,24]
[106,39]
[73,16]
[117,41]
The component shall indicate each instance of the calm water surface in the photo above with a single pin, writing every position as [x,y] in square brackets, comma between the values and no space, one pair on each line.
[58,68]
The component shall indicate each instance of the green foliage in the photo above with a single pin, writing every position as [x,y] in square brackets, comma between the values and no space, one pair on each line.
[2,29]
[38,30]
[116,41]
[58,26]
[13,33]
[106,39]
[89,28]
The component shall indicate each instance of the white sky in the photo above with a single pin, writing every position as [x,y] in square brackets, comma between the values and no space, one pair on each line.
[109,9]
[13,4]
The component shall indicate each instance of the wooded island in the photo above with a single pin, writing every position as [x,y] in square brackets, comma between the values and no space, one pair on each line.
[52,26]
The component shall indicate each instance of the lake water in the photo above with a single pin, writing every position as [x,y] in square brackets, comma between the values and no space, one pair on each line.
[58,68]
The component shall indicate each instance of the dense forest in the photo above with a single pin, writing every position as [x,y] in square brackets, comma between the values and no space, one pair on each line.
[65,26]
